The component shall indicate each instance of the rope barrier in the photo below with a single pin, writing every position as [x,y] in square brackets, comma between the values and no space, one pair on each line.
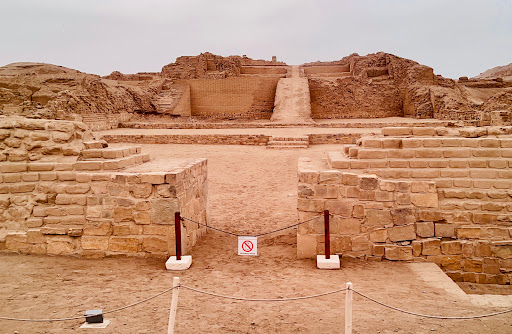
[269,300]
[83,316]
[431,316]
[257,235]
[262,299]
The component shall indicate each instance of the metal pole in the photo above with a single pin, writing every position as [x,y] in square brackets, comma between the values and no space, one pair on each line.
[348,309]
[174,305]
[177,234]
[327,235]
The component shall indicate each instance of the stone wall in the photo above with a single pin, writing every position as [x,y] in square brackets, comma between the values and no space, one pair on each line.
[248,97]
[85,204]
[190,139]
[24,139]
[416,194]
[345,98]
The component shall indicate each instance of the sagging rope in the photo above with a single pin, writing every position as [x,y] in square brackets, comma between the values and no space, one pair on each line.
[431,316]
[246,235]
[262,299]
[271,300]
[83,316]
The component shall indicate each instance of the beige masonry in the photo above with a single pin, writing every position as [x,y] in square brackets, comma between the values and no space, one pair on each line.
[423,194]
[84,204]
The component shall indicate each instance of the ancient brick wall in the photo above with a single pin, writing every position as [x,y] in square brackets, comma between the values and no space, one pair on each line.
[422,194]
[344,98]
[24,139]
[90,208]
[251,98]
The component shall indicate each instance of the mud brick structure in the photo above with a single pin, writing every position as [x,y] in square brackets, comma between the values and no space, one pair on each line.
[64,194]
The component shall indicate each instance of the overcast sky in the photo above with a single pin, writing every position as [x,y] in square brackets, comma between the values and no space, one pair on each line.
[456,38]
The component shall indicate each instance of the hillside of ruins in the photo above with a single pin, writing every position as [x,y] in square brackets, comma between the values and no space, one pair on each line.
[411,166]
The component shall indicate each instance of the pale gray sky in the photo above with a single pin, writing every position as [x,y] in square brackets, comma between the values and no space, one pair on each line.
[456,38]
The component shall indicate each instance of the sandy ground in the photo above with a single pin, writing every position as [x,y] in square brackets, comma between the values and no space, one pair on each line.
[251,189]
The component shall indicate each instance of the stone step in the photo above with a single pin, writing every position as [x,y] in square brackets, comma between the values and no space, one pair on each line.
[287,143]
[109,153]
[287,146]
[298,138]
[111,164]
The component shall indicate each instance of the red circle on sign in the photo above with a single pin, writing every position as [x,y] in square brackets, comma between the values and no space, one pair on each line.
[247,246]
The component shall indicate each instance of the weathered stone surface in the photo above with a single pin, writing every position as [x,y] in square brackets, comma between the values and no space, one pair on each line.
[403,216]
[94,242]
[398,253]
[431,247]
[402,233]
[154,244]
[425,229]
[162,211]
[124,244]
[445,230]
[379,235]
[451,247]
[428,200]
[60,245]
[378,217]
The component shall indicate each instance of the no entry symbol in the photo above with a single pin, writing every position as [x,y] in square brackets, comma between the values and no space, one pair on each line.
[247,245]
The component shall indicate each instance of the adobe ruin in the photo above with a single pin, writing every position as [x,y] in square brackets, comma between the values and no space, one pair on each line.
[426,179]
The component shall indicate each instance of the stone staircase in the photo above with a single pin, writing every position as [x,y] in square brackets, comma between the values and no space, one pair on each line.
[165,101]
[98,156]
[288,142]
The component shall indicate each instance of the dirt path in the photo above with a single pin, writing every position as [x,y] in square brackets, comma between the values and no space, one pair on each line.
[252,189]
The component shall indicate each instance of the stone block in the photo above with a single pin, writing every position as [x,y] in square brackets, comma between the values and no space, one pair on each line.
[469,232]
[153,178]
[378,217]
[143,190]
[502,249]
[482,249]
[429,200]
[330,176]
[491,266]
[124,244]
[306,246]
[163,211]
[403,216]
[402,233]
[416,248]
[431,247]
[99,228]
[396,131]
[451,247]
[450,262]
[310,205]
[60,245]
[142,218]
[445,230]
[345,226]
[423,187]
[360,243]
[154,244]
[342,207]
[94,242]
[123,214]
[379,235]
[473,265]
[398,253]
[425,229]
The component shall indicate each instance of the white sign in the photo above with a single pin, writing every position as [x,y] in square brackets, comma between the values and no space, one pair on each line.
[247,245]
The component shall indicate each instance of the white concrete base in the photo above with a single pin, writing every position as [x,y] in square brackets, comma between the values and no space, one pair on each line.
[103,324]
[183,264]
[332,263]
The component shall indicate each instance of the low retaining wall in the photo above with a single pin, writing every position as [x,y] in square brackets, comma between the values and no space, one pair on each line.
[101,214]
[189,139]
[398,220]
